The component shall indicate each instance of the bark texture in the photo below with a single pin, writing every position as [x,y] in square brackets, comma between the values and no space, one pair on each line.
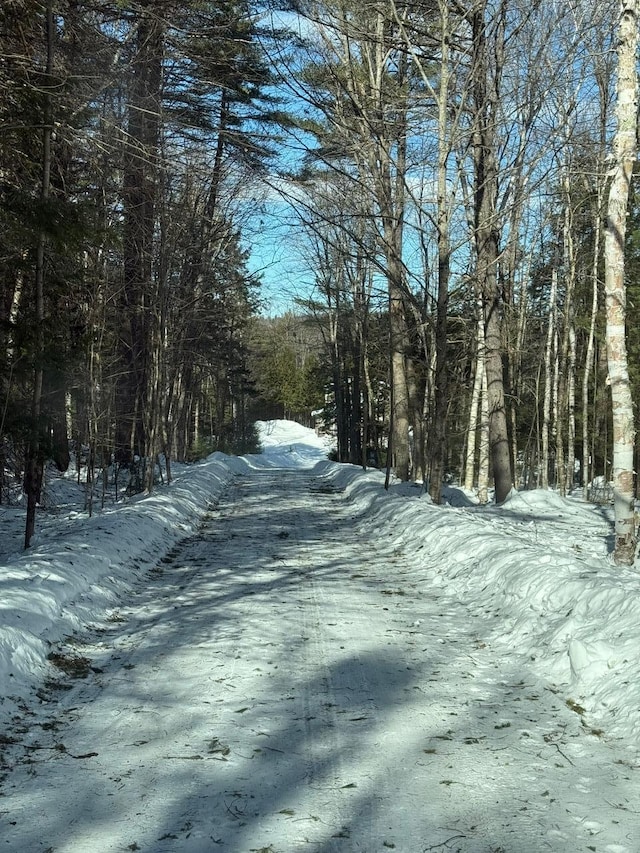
[615,291]
[485,95]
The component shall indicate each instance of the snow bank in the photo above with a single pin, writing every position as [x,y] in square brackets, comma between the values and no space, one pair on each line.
[538,568]
[79,567]
[67,580]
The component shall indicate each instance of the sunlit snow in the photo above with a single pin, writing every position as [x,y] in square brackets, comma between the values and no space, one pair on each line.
[280,655]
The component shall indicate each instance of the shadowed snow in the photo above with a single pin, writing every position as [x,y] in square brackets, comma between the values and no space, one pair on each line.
[278,654]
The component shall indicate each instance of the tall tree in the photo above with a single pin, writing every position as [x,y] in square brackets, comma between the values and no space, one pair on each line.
[487,67]
[431,30]
[624,155]
[140,198]
[35,450]
[356,81]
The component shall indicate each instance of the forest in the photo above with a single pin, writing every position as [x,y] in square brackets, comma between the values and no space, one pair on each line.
[455,178]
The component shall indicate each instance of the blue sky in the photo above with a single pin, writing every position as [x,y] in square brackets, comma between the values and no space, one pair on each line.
[275,257]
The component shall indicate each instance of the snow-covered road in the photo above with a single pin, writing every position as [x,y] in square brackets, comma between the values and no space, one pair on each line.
[287,680]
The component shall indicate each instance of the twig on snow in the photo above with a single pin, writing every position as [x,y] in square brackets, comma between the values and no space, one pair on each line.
[443,843]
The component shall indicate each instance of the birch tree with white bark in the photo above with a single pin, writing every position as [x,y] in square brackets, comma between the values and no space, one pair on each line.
[624,156]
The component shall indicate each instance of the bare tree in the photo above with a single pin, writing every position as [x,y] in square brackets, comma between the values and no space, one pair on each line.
[550,361]
[448,117]
[35,451]
[487,66]
[624,156]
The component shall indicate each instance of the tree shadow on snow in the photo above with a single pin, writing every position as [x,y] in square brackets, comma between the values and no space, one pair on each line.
[304,733]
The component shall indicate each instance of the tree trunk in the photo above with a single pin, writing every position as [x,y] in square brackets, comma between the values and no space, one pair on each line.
[483,460]
[515,379]
[438,439]
[139,215]
[587,472]
[571,410]
[34,464]
[399,421]
[615,291]
[567,356]
[545,457]
[487,240]
[476,398]
[392,205]
[602,80]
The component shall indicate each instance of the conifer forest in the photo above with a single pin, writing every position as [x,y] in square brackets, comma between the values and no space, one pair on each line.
[454,182]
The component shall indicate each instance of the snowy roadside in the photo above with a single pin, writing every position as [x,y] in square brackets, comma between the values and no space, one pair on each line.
[293,677]
[80,567]
[537,569]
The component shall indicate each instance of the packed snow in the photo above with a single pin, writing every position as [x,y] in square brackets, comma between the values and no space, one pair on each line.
[274,653]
